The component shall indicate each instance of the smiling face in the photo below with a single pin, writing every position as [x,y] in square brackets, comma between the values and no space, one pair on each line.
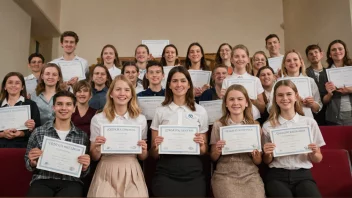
[99,76]
[267,78]
[315,56]
[69,44]
[195,54]
[108,55]
[83,95]
[36,64]
[155,75]
[219,75]
[273,46]
[131,73]
[63,108]
[236,102]
[121,93]
[225,52]
[179,84]
[13,86]
[50,76]
[337,52]
[285,98]
[293,64]
[259,61]
[141,54]
[170,54]
[240,59]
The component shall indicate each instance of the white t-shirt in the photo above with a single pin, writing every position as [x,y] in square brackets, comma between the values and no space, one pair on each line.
[62,134]
[83,61]
[114,71]
[293,162]
[173,114]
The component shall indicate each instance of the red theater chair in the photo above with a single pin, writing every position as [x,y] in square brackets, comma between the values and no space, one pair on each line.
[15,178]
[337,137]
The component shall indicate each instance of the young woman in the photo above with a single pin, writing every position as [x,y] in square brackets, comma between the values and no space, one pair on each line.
[195,60]
[236,175]
[49,84]
[170,56]
[13,93]
[152,80]
[118,175]
[179,175]
[223,57]
[240,60]
[100,82]
[290,176]
[259,60]
[141,58]
[83,114]
[218,75]
[131,71]
[110,58]
[338,100]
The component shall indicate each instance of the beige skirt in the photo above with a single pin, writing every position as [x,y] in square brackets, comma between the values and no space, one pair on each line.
[118,176]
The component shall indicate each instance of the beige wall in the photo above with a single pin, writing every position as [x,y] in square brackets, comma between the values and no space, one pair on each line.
[125,23]
[15,38]
[51,9]
[316,22]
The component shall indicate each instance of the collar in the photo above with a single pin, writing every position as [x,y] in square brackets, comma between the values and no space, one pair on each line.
[295,119]
[174,106]
[155,92]
[126,116]
[75,58]
[73,128]
[240,76]
[230,122]
[114,68]
[30,77]
[21,98]
[105,89]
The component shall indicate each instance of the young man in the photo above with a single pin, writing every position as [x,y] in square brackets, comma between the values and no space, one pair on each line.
[50,184]
[272,44]
[69,42]
[316,71]
[35,63]
[218,76]
[152,80]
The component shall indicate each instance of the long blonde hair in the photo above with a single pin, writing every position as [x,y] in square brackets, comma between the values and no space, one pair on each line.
[302,69]
[242,47]
[275,109]
[132,106]
[247,114]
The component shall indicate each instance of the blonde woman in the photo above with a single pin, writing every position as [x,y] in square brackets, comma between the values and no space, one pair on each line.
[118,175]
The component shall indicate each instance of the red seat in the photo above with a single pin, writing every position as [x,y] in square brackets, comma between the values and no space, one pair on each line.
[333,173]
[337,137]
[15,178]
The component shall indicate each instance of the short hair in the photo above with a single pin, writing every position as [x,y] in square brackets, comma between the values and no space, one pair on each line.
[69,33]
[312,47]
[35,55]
[64,94]
[265,67]
[81,84]
[270,36]
[145,81]
[126,64]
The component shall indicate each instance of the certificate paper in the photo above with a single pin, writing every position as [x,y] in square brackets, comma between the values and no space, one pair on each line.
[341,77]
[178,140]
[199,77]
[156,47]
[14,117]
[303,85]
[72,69]
[121,139]
[291,141]
[240,138]
[31,85]
[248,83]
[213,108]
[61,157]
[275,63]
[166,74]
[149,104]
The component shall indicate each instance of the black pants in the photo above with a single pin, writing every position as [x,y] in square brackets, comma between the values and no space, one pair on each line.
[55,188]
[290,183]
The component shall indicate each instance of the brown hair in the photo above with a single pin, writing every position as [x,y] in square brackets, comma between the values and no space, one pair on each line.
[3,93]
[135,51]
[69,33]
[80,85]
[203,63]
[132,106]
[163,60]
[116,60]
[242,47]
[302,69]
[247,114]
[41,85]
[218,59]
[108,77]
[189,95]
[275,109]
[262,53]
[346,59]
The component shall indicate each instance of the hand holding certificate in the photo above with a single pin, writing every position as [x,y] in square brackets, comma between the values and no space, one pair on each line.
[178,140]
[275,63]
[61,157]
[341,77]
[149,104]
[199,77]
[72,69]
[121,139]
[240,138]
[14,117]
[291,141]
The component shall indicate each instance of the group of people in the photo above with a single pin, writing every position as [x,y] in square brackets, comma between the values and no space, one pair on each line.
[75,110]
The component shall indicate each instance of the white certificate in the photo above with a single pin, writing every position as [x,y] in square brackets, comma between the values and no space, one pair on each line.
[156,47]
[341,77]
[178,140]
[213,108]
[303,85]
[31,85]
[61,157]
[275,63]
[72,69]
[199,77]
[14,117]
[166,74]
[240,138]
[149,104]
[121,139]
[291,141]
[248,83]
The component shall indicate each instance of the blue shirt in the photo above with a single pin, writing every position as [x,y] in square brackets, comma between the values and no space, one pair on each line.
[98,99]
[149,92]
[209,94]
